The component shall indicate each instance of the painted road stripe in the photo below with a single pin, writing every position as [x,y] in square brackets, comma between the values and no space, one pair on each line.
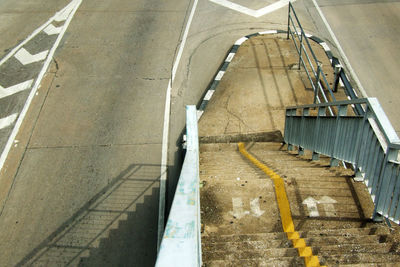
[219,75]
[241,41]
[28,102]
[51,30]
[268,32]
[209,95]
[7,121]
[229,57]
[284,210]
[26,58]
[164,145]
[63,14]
[4,92]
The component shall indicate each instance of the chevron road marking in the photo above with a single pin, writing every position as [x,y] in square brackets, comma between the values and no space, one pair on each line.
[63,14]
[4,92]
[51,29]
[7,121]
[251,12]
[26,58]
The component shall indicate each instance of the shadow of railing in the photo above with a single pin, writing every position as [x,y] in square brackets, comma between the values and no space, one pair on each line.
[117,227]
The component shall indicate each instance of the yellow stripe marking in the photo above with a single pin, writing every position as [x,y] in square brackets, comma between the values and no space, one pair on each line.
[284,209]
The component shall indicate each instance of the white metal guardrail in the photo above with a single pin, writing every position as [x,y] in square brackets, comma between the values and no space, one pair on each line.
[181,243]
[369,142]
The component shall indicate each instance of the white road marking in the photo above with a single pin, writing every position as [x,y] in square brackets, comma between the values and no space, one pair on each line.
[251,12]
[327,204]
[341,52]
[63,14]
[229,57]
[325,46]
[219,75]
[51,30]
[241,41]
[325,201]
[33,34]
[311,206]
[237,208]
[28,102]
[164,146]
[209,95]
[7,121]
[255,207]
[269,32]
[26,58]
[4,92]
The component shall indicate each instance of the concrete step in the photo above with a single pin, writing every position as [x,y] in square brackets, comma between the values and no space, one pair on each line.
[375,229]
[359,258]
[272,253]
[281,262]
[243,237]
[339,249]
[246,245]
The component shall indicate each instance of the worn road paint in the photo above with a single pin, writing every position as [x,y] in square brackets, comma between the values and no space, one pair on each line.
[238,208]
[26,58]
[327,205]
[28,102]
[311,206]
[255,207]
[52,30]
[4,92]
[7,121]
[251,12]
[325,201]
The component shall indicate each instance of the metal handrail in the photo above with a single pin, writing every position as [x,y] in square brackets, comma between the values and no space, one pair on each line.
[181,243]
[367,141]
[298,33]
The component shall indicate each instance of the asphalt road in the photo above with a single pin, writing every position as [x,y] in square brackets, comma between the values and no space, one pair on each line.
[368,32]
[80,183]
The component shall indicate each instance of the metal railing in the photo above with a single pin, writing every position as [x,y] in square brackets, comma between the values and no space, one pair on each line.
[367,141]
[313,66]
[181,243]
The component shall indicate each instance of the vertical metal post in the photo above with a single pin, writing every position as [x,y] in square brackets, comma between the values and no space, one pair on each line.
[306,112]
[288,23]
[301,48]
[342,111]
[359,144]
[316,84]
[391,154]
[337,69]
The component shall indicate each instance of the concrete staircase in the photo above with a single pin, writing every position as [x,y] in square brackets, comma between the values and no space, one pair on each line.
[241,221]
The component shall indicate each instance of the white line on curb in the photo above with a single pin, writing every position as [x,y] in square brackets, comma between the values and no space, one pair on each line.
[164,149]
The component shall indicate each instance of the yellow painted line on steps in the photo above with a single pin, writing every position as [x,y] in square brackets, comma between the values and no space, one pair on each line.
[284,209]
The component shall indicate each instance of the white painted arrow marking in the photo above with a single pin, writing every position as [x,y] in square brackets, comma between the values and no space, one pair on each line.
[255,207]
[4,92]
[26,58]
[328,205]
[251,12]
[237,207]
[7,121]
[51,30]
[312,206]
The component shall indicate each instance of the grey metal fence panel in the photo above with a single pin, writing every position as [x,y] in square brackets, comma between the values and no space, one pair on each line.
[363,141]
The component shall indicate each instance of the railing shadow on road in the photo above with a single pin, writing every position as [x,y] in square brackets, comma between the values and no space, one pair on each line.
[117,227]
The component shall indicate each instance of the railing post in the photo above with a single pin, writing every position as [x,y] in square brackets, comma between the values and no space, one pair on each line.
[301,48]
[321,113]
[382,187]
[359,144]
[305,113]
[342,111]
[288,23]
[337,69]
[316,83]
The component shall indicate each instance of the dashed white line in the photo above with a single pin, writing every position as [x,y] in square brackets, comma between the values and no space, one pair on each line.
[4,92]
[26,58]
[209,95]
[229,57]
[219,75]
